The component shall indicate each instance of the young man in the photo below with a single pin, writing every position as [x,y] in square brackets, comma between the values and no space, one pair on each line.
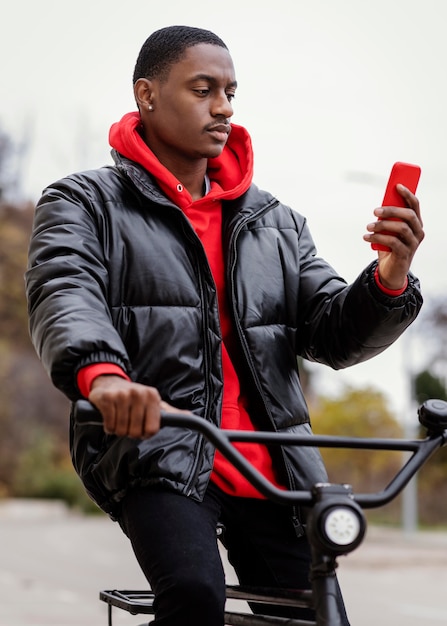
[171,280]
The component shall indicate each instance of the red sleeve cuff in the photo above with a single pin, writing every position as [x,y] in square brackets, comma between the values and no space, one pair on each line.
[87,374]
[388,292]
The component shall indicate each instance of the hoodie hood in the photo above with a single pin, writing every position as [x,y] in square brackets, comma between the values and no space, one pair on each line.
[230,173]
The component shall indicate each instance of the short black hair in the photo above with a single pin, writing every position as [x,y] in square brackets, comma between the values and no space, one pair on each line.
[166,46]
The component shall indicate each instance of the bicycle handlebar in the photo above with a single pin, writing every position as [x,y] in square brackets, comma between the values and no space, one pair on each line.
[432,415]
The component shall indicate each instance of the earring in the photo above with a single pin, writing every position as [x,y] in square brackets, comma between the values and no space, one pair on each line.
[150,107]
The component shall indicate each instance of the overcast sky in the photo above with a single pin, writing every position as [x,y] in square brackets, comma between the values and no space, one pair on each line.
[333,92]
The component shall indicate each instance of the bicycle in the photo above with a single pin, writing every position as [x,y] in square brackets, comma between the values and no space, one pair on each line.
[336,524]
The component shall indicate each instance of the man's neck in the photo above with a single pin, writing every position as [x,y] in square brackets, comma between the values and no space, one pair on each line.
[192,177]
[191,173]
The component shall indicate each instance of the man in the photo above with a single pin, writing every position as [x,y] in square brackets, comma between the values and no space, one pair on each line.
[171,280]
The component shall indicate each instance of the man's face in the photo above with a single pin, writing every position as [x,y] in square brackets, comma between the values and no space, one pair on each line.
[192,108]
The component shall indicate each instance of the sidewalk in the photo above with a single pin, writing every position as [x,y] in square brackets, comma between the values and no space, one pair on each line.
[53,564]
[395,578]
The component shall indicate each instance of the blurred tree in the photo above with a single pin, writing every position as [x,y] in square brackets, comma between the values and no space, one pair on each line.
[15,227]
[426,385]
[12,155]
[6,157]
[33,414]
[359,413]
[364,413]
[432,482]
[27,397]
[55,479]
[431,339]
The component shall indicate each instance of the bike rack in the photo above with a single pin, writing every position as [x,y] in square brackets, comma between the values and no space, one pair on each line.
[141,603]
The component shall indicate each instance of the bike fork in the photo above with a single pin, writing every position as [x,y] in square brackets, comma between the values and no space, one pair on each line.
[336,526]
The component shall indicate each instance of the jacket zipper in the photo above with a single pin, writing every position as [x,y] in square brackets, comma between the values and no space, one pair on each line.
[233,251]
[198,457]
[296,518]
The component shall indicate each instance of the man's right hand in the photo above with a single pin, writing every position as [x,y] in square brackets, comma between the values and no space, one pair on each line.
[128,409]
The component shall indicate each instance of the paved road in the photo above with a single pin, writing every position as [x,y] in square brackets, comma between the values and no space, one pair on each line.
[53,563]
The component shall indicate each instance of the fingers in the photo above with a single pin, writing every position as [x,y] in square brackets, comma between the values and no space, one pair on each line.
[396,232]
[128,409]
[136,412]
[398,229]
[411,201]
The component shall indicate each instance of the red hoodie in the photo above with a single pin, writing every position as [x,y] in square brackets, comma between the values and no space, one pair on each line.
[230,176]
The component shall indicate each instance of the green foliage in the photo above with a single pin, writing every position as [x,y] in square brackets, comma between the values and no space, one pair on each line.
[15,228]
[359,413]
[433,476]
[33,415]
[43,473]
[363,413]
[356,413]
[427,385]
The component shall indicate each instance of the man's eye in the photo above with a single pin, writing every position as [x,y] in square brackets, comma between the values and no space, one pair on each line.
[231,96]
[202,92]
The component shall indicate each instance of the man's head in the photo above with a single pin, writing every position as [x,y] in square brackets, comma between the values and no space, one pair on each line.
[184,84]
[166,46]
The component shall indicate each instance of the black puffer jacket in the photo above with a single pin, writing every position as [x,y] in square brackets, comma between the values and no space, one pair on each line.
[117,274]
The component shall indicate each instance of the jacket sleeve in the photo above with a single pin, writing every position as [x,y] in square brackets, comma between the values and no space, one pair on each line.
[341,324]
[67,285]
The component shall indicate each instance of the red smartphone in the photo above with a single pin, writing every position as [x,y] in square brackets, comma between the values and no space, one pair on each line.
[406,174]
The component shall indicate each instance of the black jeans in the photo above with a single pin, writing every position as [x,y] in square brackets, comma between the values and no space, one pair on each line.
[174,539]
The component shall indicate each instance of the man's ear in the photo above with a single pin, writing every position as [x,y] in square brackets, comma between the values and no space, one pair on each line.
[143,93]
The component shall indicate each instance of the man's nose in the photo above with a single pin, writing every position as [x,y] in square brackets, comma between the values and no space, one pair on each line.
[222,106]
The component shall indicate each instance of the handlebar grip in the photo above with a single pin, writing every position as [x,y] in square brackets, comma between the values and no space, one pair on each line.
[85,413]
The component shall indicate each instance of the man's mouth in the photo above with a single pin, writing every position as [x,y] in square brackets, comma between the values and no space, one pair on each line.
[219,131]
